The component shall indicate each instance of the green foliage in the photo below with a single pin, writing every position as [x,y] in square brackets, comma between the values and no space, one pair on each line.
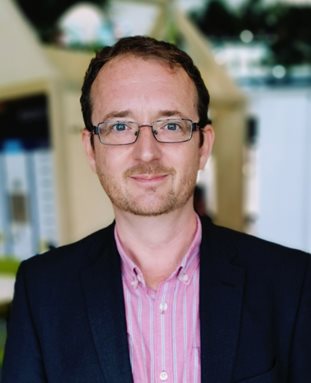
[2,339]
[8,266]
[217,20]
[292,35]
[285,28]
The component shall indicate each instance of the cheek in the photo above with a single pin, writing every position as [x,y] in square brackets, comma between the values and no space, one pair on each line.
[188,164]
[102,165]
[110,165]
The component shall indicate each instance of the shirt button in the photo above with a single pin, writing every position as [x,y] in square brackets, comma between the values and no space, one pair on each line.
[163,376]
[163,307]
[139,278]
[184,278]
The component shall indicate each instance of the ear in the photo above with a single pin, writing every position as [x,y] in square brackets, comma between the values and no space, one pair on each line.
[88,148]
[207,146]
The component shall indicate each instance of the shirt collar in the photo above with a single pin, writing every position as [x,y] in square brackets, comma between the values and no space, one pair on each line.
[183,272]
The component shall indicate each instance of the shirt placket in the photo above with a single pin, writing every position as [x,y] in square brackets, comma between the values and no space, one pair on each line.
[162,344]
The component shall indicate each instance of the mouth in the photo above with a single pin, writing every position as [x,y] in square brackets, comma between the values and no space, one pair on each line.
[149,178]
[149,174]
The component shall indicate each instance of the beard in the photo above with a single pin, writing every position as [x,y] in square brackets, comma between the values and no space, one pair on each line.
[152,201]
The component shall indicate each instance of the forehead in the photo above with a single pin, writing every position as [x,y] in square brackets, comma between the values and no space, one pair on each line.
[150,64]
[129,78]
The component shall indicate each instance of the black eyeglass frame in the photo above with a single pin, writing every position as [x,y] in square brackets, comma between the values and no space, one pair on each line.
[194,127]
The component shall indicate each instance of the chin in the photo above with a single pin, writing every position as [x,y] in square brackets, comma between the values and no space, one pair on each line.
[152,209]
[150,213]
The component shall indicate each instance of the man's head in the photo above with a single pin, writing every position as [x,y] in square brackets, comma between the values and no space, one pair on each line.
[135,107]
[147,48]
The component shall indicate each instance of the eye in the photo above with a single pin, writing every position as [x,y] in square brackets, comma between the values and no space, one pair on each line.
[173,126]
[119,127]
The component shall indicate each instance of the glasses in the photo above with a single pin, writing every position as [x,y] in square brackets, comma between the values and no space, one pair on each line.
[126,132]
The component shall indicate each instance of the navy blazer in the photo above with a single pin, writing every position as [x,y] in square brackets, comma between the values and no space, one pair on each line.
[68,323]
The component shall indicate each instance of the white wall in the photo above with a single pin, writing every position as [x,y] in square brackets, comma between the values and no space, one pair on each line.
[284,165]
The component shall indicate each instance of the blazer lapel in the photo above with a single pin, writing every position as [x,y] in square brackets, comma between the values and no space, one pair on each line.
[102,284]
[221,290]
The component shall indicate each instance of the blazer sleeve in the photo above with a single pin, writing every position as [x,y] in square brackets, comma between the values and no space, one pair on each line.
[300,359]
[22,358]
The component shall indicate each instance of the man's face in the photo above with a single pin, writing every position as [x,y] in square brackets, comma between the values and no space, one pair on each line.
[147,177]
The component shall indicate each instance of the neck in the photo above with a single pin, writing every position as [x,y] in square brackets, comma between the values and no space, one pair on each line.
[156,244]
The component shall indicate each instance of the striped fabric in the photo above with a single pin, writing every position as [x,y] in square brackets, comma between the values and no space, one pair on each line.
[163,326]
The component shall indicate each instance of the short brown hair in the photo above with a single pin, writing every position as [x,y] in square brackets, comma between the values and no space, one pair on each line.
[145,47]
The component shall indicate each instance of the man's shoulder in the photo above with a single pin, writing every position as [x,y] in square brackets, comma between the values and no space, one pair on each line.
[267,266]
[251,249]
[73,255]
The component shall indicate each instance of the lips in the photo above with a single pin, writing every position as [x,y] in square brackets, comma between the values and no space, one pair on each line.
[148,177]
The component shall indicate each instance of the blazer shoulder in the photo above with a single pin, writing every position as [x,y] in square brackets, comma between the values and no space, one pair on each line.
[75,254]
[252,249]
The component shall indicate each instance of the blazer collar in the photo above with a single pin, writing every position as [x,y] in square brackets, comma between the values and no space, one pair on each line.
[221,290]
[102,285]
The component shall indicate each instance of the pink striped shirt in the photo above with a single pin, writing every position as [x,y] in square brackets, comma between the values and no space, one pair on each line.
[163,325]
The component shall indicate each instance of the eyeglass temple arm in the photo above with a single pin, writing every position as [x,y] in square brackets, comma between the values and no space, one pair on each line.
[197,125]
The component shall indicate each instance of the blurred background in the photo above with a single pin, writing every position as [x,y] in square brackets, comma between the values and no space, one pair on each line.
[255,57]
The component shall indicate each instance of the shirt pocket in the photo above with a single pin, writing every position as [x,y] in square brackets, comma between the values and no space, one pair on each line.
[267,377]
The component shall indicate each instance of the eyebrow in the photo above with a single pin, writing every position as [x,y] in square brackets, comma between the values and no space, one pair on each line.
[127,113]
[170,113]
[117,114]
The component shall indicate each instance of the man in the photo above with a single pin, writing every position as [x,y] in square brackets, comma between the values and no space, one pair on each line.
[160,295]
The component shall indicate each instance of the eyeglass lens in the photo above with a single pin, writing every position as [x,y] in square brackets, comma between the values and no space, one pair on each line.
[126,132]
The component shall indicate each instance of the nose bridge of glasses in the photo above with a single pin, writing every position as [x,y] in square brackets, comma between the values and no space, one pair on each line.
[153,131]
[146,146]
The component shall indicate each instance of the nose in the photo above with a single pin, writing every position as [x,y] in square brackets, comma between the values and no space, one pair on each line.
[146,148]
